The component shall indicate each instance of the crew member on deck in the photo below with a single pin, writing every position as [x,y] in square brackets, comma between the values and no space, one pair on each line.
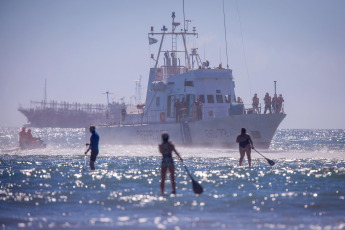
[280,101]
[245,146]
[256,104]
[239,100]
[177,109]
[198,105]
[268,102]
[93,146]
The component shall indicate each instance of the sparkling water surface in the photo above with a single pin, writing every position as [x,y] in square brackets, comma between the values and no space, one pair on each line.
[48,188]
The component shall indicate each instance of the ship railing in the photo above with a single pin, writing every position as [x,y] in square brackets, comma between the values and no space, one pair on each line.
[249,109]
[66,106]
[173,70]
[158,116]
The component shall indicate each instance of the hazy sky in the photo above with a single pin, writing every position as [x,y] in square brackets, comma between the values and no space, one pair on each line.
[87,47]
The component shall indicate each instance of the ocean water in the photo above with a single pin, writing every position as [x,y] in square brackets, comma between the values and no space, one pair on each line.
[48,188]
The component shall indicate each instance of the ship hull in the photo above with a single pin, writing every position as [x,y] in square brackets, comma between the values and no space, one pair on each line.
[218,132]
[51,118]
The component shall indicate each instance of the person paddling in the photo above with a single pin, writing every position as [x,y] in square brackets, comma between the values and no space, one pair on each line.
[166,149]
[245,146]
[29,138]
[93,146]
[22,137]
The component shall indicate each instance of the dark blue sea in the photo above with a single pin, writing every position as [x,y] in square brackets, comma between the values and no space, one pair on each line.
[48,188]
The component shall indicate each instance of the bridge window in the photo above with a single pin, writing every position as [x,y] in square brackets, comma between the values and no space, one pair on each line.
[219,98]
[210,98]
[228,98]
[202,98]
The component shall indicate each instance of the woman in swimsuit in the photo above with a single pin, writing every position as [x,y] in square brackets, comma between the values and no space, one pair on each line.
[166,149]
[245,146]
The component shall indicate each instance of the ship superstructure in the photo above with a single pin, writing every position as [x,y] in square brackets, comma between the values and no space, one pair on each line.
[192,101]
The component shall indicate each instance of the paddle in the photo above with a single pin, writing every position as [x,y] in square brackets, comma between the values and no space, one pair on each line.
[268,160]
[85,162]
[197,188]
[85,158]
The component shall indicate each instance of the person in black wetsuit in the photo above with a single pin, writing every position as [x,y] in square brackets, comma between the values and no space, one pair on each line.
[245,146]
[93,146]
[166,149]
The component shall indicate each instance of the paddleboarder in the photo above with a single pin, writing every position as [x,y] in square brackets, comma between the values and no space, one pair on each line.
[93,146]
[22,137]
[166,149]
[245,146]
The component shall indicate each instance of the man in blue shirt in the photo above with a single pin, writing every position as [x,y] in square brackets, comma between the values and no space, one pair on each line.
[93,146]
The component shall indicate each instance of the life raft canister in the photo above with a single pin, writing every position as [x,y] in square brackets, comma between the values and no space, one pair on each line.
[140,106]
[162,116]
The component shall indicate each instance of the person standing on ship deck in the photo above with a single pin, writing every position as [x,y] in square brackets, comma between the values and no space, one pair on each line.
[93,146]
[177,109]
[256,104]
[280,101]
[245,146]
[166,149]
[268,103]
[198,105]
[183,110]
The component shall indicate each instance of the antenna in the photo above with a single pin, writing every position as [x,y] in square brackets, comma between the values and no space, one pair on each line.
[107,93]
[45,93]
[244,53]
[184,19]
[226,41]
[45,89]
[275,96]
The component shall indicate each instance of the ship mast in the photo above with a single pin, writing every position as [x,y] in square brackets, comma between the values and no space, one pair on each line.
[138,91]
[174,51]
[107,93]
[45,93]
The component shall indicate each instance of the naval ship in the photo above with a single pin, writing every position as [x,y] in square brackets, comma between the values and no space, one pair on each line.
[71,115]
[194,103]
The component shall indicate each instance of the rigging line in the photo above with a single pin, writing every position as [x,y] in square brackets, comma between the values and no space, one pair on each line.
[184,19]
[226,42]
[186,58]
[244,53]
[151,62]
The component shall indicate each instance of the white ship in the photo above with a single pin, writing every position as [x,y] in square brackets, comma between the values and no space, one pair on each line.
[219,118]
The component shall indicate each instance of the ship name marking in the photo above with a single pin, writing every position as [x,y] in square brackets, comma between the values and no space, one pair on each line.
[216,133]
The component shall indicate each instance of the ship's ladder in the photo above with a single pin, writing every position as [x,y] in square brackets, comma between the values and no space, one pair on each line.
[185,133]
[174,43]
